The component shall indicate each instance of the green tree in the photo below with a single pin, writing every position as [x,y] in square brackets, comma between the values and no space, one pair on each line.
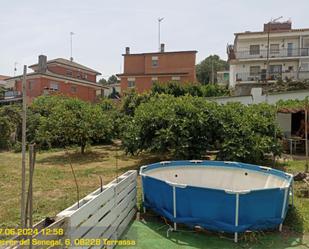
[10,125]
[131,101]
[176,89]
[73,121]
[186,127]
[112,79]
[204,69]
[103,81]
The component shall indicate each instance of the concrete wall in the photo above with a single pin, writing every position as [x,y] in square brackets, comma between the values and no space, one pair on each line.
[257,97]
[285,122]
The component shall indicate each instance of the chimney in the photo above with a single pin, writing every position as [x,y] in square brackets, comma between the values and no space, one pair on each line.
[42,65]
[274,26]
[162,47]
[127,50]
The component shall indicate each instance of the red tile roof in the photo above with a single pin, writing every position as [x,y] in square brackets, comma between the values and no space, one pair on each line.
[3,77]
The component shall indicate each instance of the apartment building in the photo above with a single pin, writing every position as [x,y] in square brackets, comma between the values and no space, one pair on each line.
[142,70]
[58,76]
[279,52]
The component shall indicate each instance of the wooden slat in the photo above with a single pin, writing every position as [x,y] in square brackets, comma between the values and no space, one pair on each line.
[103,214]
[109,220]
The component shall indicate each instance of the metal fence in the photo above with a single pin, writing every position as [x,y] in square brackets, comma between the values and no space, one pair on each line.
[272,76]
[273,53]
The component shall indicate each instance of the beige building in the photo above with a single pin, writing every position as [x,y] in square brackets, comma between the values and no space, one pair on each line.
[277,52]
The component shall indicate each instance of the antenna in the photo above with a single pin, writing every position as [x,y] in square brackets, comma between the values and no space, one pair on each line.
[160,19]
[71,43]
[15,68]
[276,19]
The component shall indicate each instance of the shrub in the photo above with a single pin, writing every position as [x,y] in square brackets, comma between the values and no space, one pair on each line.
[176,89]
[187,127]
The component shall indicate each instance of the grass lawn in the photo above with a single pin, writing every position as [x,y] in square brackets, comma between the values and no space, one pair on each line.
[54,190]
[54,186]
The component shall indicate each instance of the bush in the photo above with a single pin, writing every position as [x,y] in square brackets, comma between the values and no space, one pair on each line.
[73,121]
[176,89]
[248,132]
[186,127]
[10,125]
[131,101]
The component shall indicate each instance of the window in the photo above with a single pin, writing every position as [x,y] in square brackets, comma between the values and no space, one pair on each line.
[290,68]
[274,48]
[306,42]
[69,73]
[254,49]
[54,86]
[30,85]
[98,93]
[255,70]
[154,80]
[131,82]
[275,69]
[175,78]
[305,66]
[73,89]
[154,61]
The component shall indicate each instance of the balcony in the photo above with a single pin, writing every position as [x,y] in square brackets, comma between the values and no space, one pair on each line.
[273,76]
[10,96]
[262,53]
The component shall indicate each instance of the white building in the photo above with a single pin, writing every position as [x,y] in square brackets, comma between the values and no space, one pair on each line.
[277,52]
[110,88]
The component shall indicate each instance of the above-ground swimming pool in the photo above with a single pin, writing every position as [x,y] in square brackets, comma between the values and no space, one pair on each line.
[221,196]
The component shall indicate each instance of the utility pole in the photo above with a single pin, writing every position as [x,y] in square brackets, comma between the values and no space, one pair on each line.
[23,161]
[268,44]
[212,72]
[160,19]
[267,55]
[71,45]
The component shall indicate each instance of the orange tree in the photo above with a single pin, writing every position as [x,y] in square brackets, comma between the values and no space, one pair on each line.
[186,127]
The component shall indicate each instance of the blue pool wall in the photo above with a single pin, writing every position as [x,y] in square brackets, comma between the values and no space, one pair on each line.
[215,209]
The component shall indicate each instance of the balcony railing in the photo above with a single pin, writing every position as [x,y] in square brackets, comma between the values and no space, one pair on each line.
[273,76]
[280,53]
[10,95]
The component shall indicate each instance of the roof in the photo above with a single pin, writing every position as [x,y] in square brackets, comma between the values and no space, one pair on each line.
[291,110]
[273,31]
[58,76]
[3,77]
[68,63]
[171,52]
[151,74]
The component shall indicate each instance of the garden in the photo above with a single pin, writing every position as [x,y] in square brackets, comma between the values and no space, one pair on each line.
[108,138]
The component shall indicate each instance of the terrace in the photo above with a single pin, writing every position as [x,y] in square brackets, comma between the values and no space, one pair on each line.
[274,53]
[262,76]
[10,96]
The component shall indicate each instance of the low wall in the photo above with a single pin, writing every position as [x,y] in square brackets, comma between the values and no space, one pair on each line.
[256,97]
[102,215]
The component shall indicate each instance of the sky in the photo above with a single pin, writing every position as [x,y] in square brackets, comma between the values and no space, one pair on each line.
[103,28]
